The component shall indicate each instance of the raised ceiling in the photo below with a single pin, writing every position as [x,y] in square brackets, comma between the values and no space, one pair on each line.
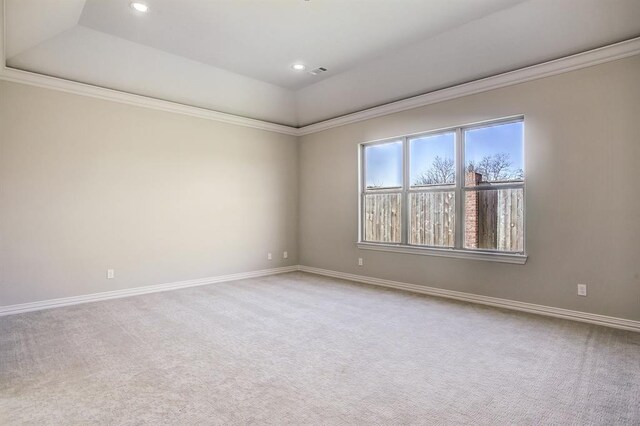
[261,38]
[234,56]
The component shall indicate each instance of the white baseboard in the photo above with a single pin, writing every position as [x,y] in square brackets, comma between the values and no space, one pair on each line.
[603,320]
[95,297]
[620,323]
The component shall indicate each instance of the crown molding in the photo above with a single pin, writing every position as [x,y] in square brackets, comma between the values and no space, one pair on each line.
[569,63]
[68,86]
[39,80]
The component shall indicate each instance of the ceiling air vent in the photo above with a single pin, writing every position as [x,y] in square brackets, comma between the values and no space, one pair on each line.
[318,71]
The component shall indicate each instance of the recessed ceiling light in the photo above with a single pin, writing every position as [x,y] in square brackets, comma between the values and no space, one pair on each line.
[140,7]
[298,67]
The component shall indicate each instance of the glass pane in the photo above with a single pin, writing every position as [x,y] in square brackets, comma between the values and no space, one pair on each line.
[494,219]
[433,160]
[383,165]
[494,154]
[432,217]
[382,218]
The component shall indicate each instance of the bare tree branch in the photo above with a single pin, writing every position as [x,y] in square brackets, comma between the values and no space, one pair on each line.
[495,167]
[442,171]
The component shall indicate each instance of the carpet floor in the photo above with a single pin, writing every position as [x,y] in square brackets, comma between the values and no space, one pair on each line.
[307,350]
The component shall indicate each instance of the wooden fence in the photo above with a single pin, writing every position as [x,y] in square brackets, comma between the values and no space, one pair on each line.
[497,222]
[501,219]
[432,218]
[383,218]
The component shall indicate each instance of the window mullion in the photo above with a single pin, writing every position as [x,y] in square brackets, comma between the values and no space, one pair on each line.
[459,222]
[404,223]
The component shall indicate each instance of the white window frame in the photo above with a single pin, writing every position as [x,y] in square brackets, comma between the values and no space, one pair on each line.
[459,188]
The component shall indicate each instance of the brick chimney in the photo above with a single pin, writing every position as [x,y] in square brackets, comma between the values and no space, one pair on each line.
[471,210]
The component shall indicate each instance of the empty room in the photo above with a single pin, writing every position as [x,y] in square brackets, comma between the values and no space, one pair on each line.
[320,212]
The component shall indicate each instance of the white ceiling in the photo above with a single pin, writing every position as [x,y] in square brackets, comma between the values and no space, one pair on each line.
[261,39]
[234,56]
[529,33]
[31,22]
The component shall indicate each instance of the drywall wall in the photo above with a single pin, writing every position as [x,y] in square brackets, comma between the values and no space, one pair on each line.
[87,185]
[582,158]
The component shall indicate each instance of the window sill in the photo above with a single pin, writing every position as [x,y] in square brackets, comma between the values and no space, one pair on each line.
[519,259]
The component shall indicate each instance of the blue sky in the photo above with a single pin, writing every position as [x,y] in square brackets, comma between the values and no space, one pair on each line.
[384,161]
[495,139]
[384,164]
[424,150]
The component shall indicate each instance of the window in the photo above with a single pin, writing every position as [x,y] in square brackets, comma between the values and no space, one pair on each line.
[494,187]
[383,197]
[457,192]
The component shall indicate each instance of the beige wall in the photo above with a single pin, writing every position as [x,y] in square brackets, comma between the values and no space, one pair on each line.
[87,185]
[582,193]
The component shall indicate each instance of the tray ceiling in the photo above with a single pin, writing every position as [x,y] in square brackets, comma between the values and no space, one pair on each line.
[235,56]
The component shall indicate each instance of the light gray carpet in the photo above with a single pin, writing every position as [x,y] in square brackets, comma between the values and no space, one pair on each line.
[302,349]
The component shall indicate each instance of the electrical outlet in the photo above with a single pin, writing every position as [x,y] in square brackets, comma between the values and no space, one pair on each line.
[269,256]
[111,274]
[360,262]
[285,255]
[582,289]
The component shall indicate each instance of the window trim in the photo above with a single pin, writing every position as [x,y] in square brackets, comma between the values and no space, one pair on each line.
[487,255]
[459,188]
